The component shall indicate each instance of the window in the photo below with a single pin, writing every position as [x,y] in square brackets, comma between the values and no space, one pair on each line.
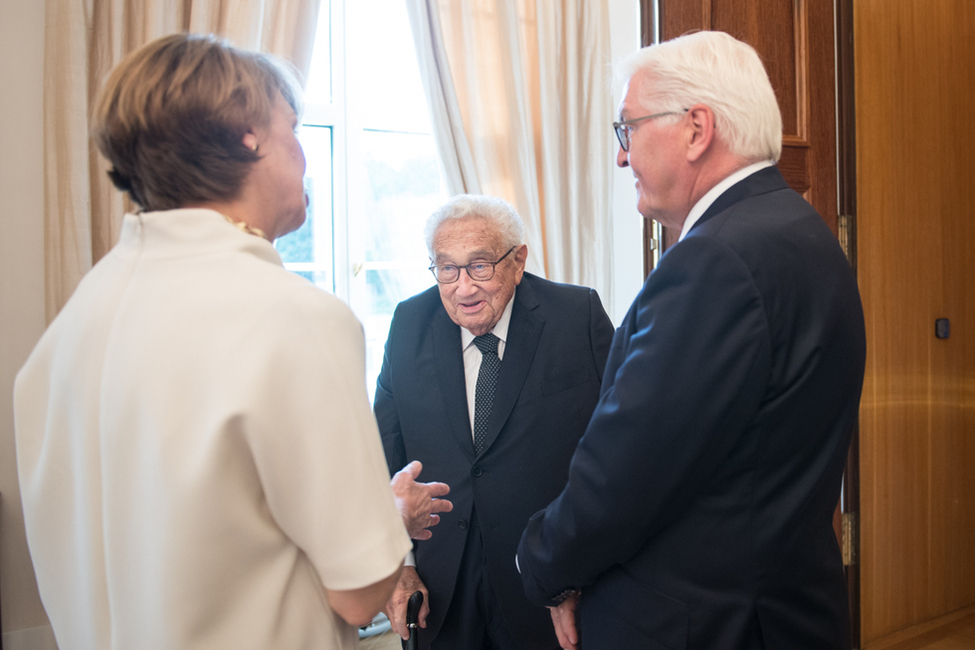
[373,174]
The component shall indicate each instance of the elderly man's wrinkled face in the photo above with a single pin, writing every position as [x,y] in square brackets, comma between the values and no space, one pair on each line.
[655,158]
[477,305]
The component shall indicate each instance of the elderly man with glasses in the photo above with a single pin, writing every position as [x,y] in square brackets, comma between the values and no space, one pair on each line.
[698,512]
[489,380]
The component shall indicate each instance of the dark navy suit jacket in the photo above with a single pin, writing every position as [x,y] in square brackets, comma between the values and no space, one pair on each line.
[698,512]
[558,339]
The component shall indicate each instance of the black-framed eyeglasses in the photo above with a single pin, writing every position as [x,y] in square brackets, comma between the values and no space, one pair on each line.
[623,128]
[477,271]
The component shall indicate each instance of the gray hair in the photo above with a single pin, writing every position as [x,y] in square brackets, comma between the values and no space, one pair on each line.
[478,206]
[717,70]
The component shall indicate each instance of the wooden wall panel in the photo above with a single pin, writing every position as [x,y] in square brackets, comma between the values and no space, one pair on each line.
[916,262]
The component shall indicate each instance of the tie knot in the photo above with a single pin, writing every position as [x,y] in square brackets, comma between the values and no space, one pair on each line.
[487,343]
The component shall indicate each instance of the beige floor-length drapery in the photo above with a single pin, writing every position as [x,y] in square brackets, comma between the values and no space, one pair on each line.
[520,92]
[84,40]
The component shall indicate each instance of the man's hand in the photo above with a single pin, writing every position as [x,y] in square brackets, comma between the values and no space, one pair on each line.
[395,609]
[563,618]
[419,503]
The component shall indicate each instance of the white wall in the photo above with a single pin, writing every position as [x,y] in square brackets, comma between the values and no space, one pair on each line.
[21,294]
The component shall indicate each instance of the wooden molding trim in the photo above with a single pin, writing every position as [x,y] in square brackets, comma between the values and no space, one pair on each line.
[915,631]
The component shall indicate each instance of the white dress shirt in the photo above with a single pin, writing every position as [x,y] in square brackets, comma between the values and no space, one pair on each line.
[472,354]
[712,195]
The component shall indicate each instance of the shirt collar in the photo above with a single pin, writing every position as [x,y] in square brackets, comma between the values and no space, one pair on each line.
[190,231]
[500,329]
[712,195]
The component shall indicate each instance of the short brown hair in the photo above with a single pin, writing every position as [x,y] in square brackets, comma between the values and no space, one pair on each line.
[172,116]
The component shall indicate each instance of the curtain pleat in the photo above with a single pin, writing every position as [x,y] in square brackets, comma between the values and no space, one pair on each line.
[520,92]
[452,145]
[84,41]
[577,140]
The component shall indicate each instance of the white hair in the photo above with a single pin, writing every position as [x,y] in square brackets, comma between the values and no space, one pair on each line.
[478,206]
[717,70]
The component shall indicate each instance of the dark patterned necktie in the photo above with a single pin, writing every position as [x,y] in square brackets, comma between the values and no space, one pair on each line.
[487,379]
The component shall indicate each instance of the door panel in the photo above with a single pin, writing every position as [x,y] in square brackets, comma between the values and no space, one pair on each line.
[795,40]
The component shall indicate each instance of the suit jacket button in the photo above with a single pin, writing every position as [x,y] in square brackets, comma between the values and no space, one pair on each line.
[462,524]
[476,471]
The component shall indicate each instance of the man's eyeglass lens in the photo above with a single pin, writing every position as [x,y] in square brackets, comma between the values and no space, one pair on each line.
[478,271]
[623,128]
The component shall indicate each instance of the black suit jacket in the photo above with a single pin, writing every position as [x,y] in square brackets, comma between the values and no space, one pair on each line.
[558,339]
[698,512]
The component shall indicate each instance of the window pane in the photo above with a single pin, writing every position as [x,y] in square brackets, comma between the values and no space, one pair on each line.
[384,76]
[400,174]
[308,250]
[403,187]
[378,172]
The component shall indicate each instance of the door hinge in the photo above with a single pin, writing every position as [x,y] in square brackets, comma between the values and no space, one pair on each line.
[844,225]
[851,541]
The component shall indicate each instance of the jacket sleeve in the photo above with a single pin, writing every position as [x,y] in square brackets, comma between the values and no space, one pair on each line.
[313,442]
[693,372]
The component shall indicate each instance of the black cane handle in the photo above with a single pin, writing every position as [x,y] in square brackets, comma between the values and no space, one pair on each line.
[412,620]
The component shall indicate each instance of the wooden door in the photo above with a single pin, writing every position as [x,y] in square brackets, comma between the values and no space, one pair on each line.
[795,39]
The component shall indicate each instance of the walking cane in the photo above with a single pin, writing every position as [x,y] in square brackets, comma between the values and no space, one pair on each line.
[412,620]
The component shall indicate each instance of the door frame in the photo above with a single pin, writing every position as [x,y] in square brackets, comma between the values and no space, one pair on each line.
[847,200]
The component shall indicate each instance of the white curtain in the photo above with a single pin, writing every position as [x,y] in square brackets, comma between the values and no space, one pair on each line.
[520,92]
[84,40]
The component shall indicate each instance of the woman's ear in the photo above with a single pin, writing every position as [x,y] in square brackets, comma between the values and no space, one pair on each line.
[250,141]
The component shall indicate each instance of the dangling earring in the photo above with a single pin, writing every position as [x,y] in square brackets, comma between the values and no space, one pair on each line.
[254,148]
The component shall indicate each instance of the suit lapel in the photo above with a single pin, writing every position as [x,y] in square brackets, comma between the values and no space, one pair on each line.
[524,332]
[449,364]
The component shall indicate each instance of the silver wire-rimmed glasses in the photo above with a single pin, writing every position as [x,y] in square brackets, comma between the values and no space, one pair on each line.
[478,271]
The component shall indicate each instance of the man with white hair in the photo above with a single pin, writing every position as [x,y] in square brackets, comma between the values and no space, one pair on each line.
[699,504]
[488,379]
